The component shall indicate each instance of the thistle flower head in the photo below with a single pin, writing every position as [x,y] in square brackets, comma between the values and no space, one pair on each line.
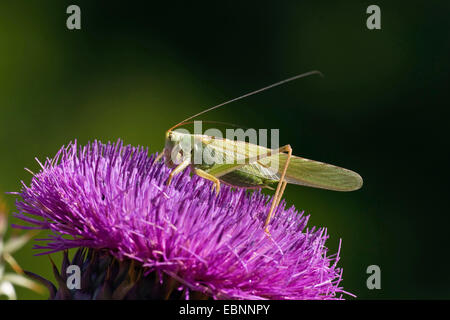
[113,198]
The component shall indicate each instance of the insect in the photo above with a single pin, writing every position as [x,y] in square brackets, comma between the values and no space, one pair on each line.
[256,169]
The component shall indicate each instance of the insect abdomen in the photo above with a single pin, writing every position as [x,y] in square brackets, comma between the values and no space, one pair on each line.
[242,179]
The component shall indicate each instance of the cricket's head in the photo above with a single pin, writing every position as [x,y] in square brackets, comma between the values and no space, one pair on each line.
[176,148]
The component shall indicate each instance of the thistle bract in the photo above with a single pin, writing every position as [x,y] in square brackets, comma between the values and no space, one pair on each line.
[8,246]
[113,198]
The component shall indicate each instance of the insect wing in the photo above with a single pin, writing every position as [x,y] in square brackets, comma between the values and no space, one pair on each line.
[300,171]
[317,174]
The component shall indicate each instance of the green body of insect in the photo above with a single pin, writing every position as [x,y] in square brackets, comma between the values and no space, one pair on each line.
[246,165]
[259,167]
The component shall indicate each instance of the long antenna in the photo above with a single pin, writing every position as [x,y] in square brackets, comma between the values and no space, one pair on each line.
[213,121]
[249,94]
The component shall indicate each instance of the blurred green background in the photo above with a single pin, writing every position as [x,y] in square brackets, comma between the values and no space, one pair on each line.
[136,68]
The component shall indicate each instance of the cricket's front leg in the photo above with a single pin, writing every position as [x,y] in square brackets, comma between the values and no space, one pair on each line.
[209,177]
[178,169]
[159,157]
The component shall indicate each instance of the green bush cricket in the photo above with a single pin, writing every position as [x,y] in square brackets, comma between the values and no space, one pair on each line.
[254,171]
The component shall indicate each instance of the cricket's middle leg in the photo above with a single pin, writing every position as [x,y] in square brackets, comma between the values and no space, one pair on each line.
[210,177]
[280,187]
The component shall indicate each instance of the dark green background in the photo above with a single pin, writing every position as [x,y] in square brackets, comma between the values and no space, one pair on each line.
[136,68]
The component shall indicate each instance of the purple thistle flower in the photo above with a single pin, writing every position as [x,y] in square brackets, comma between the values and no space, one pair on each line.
[113,197]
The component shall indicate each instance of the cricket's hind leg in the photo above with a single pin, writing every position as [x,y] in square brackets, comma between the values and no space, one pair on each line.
[280,187]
